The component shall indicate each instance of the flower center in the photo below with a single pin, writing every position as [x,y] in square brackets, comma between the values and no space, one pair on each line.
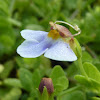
[54,34]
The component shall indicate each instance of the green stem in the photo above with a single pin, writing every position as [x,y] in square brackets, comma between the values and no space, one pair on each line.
[80,66]
[14,22]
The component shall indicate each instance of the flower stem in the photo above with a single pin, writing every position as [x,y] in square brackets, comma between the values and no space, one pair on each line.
[81,67]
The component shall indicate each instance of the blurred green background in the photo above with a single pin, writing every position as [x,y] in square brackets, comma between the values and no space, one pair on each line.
[16,15]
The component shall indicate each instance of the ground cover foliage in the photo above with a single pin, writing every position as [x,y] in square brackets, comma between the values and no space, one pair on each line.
[20,77]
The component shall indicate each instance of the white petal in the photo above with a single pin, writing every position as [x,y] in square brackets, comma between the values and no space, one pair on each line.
[60,51]
[31,49]
[33,35]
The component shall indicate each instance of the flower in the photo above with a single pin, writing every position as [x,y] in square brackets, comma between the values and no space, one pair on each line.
[52,44]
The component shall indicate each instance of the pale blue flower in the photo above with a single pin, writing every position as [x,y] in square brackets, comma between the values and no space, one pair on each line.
[48,43]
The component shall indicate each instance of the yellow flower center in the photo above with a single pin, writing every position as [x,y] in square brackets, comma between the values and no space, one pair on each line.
[54,34]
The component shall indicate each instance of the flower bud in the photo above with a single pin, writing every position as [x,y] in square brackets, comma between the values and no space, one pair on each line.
[63,31]
[46,82]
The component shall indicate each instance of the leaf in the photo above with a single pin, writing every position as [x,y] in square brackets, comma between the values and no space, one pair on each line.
[45,62]
[74,95]
[60,81]
[95,98]
[3,91]
[72,70]
[9,41]
[45,94]
[8,66]
[24,96]
[14,94]
[20,62]
[34,27]
[25,77]
[31,62]
[88,83]
[36,78]
[56,73]
[35,94]
[4,7]
[7,37]
[13,82]
[92,71]
[4,23]
[1,68]
[86,57]
[96,62]
[28,63]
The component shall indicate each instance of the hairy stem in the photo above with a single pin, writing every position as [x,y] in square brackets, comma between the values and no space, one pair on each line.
[80,66]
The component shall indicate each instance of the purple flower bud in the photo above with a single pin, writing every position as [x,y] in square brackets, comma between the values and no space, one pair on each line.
[46,82]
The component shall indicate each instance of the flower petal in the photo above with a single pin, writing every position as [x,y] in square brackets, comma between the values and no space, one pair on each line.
[33,35]
[31,49]
[60,51]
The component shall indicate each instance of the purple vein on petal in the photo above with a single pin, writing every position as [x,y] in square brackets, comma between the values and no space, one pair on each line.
[30,49]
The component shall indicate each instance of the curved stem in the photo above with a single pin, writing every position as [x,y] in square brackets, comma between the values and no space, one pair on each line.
[76,28]
[65,23]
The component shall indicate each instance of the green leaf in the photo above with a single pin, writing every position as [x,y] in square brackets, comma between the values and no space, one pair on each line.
[28,63]
[30,98]
[45,62]
[25,77]
[45,94]
[4,91]
[86,57]
[24,96]
[8,66]
[9,41]
[95,98]
[34,27]
[31,62]
[20,62]
[34,94]
[74,95]
[4,7]
[13,82]
[92,71]
[4,23]
[36,78]
[56,73]
[96,62]
[72,70]
[60,81]
[14,94]
[88,83]
[1,68]
[7,37]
